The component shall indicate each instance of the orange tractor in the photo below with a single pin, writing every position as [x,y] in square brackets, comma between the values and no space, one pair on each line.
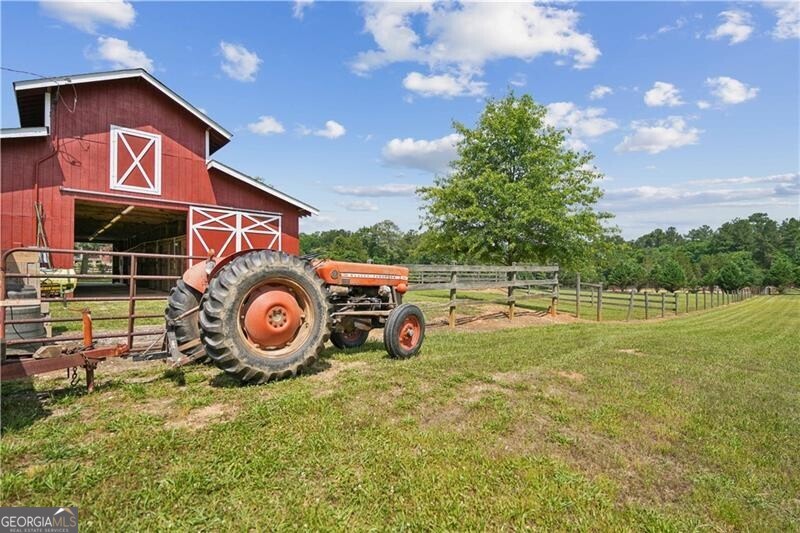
[262,315]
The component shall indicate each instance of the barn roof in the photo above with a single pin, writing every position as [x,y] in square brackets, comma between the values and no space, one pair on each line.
[30,107]
[216,165]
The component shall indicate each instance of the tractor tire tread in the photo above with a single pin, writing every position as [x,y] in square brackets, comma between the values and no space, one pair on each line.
[226,350]
[183,298]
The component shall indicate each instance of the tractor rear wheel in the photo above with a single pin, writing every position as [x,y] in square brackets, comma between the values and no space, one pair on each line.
[265,316]
[182,299]
[404,331]
[350,338]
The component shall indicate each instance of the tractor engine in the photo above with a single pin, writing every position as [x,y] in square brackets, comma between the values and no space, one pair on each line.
[362,296]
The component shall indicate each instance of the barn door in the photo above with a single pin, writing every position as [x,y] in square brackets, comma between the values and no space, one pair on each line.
[227,231]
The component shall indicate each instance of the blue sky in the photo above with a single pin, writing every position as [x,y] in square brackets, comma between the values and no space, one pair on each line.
[690,108]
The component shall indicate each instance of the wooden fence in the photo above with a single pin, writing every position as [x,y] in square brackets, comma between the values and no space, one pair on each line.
[535,280]
[653,304]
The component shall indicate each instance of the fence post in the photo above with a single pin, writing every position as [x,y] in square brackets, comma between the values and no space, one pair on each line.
[554,300]
[630,306]
[686,310]
[599,301]
[675,294]
[578,295]
[663,303]
[132,299]
[453,280]
[704,297]
[646,305]
[512,277]
[696,299]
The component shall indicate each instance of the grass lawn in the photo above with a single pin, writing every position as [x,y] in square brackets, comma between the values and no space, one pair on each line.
[665,425]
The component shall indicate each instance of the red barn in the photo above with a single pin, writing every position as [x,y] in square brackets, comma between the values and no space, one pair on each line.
[118,157]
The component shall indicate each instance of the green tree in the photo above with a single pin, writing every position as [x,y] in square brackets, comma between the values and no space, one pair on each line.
[730,277]
[348,248]
[782,272]
[626,273]
[384,242]
[669,275]
[516,193]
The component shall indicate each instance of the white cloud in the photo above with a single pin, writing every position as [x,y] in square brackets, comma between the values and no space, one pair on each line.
[359,205]
[679,23]
[788,24]
[663,94]
[703,104]
[433,156]
[388,189]
[298,10]
[332,130]
[88,15]
[266,125]
[238,62]
[120,55]
[583,123]
[519,80]
[737,26]
[687,204]
[656,136]
[600,91]
[790,177]
[731,91]
[445,85]
[772,190]
[461,38]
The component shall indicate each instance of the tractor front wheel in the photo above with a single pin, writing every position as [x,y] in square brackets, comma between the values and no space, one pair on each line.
[350,338]
[404,331]
[265,316]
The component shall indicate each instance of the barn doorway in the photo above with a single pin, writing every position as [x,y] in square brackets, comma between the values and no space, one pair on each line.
[128,228]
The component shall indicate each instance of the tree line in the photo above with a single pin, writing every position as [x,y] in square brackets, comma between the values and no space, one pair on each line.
[519,192]
[744,252]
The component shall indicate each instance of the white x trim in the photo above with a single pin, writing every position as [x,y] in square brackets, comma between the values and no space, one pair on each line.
[239,226]
[117,181]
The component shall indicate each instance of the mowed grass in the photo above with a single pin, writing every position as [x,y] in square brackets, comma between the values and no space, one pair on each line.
[681,424]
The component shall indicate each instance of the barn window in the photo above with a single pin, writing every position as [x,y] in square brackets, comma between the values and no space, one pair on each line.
[135,161]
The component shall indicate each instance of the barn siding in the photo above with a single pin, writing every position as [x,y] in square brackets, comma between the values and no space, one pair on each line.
[82,136]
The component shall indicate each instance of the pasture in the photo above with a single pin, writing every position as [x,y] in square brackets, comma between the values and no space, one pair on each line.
[671,425]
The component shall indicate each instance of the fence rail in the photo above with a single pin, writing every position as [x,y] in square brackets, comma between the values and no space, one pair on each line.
[654,304]
[537,280]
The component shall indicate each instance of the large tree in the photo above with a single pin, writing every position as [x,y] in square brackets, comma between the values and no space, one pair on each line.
[516,193]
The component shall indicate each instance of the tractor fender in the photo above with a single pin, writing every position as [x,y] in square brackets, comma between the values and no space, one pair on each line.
[199,275]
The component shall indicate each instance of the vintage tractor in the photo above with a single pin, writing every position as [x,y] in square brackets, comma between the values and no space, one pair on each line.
[262,315]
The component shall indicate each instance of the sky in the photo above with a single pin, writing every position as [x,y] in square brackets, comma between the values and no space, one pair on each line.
[690,108]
